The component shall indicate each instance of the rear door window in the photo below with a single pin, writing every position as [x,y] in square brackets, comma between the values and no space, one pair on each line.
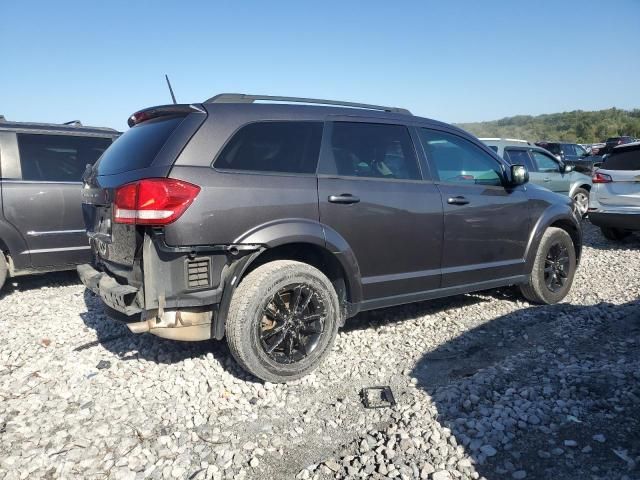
[625,160]
[58,158]
[518,156]
[138,146]
[372,150]
[279,147]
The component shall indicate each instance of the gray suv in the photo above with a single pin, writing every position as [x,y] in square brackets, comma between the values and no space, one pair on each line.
[41,167]
[545,169]
[273,223]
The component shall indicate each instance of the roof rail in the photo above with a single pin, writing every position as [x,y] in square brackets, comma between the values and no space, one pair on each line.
[73,123]
[243,98]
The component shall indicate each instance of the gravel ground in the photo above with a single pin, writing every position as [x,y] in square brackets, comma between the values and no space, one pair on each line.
[486,386]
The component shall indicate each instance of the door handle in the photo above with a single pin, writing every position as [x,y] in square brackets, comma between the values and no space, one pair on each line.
[344,198]
[459,200]
[547,179]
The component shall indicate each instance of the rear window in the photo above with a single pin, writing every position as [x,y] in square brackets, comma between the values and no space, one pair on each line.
[278,147]
[58,158]
[625,160]
[138,146]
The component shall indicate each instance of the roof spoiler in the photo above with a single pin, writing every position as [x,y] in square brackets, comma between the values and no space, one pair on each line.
[244,98]
[162,111]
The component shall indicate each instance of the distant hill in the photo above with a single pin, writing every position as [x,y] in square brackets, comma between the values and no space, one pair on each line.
[577,126]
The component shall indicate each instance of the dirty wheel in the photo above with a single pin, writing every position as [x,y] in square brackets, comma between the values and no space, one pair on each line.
[282,320]
[553,268]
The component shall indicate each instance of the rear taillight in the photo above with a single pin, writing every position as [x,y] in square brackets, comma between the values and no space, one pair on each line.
[153,201]
[601,178]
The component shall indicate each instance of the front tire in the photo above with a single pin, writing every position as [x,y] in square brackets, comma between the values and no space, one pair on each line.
[553,268]
[282,320]
[615,234]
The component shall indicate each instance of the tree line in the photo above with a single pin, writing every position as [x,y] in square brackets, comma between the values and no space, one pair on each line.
[577,126]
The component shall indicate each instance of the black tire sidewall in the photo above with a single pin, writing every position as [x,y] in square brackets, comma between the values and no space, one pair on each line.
[258,361]
[548,241]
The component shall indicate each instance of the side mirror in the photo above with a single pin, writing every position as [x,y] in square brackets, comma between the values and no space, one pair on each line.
[567,168]
[519,175]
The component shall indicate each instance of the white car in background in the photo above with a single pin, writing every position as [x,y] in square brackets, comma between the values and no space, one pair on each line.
[615,196]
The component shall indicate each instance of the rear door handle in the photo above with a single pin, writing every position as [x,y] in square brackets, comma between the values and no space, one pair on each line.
[457,200]
[547,179]
[344,198]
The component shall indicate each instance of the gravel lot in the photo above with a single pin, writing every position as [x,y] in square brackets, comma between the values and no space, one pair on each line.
[487,386]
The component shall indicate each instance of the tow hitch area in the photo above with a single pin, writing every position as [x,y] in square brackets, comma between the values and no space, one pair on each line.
[377,397]
[185,325]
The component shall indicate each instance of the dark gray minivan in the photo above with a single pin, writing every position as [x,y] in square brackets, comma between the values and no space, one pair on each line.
[41,167]
[271,224]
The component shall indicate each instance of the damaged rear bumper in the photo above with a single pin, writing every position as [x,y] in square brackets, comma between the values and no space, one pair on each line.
[188,324]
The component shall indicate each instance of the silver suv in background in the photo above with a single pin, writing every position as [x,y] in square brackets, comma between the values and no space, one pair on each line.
[545,169]
[615,199]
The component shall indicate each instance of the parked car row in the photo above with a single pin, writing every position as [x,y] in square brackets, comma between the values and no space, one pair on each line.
[271,223]
[545,169]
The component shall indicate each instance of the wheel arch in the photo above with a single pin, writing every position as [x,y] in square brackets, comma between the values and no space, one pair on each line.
[559,216]
[299,240]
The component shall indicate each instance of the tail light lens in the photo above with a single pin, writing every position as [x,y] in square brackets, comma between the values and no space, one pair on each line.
[601,178]
[153,201]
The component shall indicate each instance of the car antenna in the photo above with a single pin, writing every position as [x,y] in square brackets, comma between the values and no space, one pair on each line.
[173,97]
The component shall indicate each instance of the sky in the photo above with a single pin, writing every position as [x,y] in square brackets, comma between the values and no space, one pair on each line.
[455,61]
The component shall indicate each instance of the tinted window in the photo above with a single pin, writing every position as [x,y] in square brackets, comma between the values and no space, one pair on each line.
[458,160]
[545,163]
[519,157]
[58,158]
[372,150]
[287,147]
[138,146]
[567,149]
[625,160]
[494,148]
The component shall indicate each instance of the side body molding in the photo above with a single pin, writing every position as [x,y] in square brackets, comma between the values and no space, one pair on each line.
[300,230]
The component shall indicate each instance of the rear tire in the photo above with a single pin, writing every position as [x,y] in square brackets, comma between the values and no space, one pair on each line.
[3,270]
[581,200]
[553,268]
[271,338]
[615,234]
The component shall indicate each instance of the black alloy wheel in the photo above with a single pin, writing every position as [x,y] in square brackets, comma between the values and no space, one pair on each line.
[556,267]
[292,323]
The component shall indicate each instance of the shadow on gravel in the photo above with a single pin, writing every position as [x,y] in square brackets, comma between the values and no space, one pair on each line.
[116,338]
[553,391]
[35,282]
